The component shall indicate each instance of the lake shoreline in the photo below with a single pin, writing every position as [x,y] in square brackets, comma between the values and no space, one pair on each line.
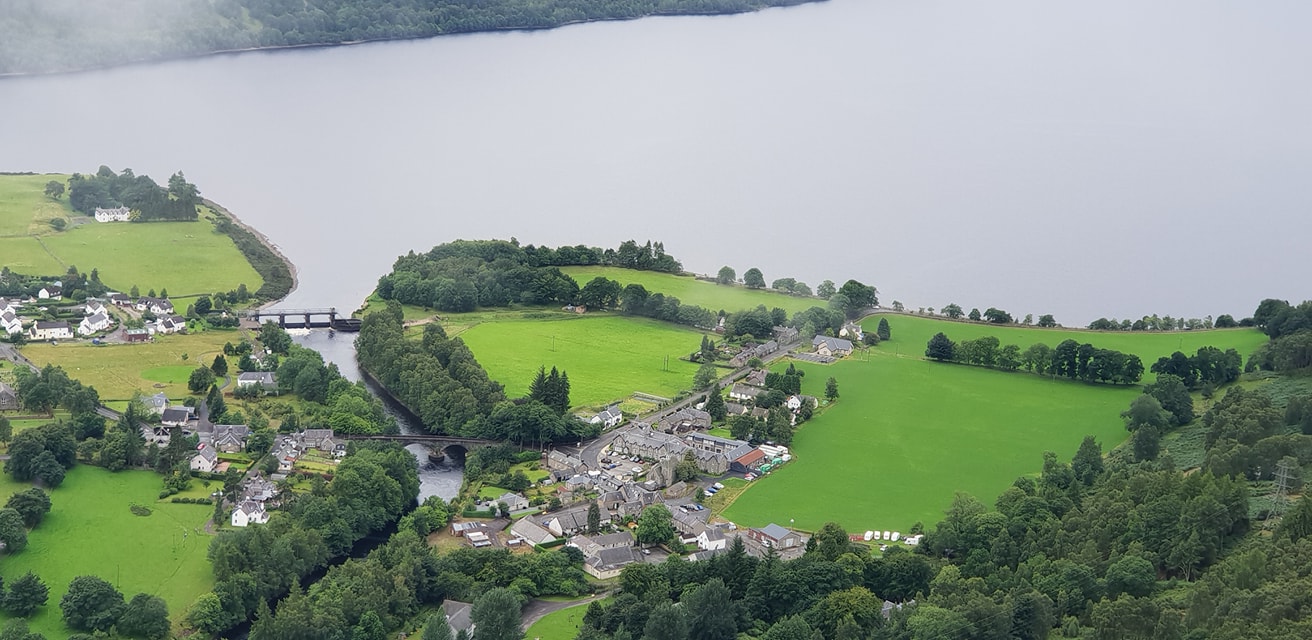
[268,244]
[347,43]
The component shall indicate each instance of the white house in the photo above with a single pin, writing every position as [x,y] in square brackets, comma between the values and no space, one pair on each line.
[171,324]
[156,404]
[93,307]
[53,291]
[609,418]
[157,306]
[51,330]
[93,324]
[10,323]
[8,307]
[249,512]
[264,379]
[852,331]
[120,214]
[205,459]
[711,539]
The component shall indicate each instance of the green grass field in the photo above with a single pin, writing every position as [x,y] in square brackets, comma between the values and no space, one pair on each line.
[187,258]
[608,357]
[90,531]
[558,625]
[690,290]
[907,433]
[911,333]
[117,370]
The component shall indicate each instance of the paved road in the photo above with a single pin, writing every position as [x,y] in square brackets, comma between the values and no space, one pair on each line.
[590,453]
[537,609]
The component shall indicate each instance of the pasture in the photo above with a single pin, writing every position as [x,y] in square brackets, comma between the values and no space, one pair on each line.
[187,258]
[909,432]
[91,531]
[608,357]
[119,370]
[906,434]
[690,290]
[910,333]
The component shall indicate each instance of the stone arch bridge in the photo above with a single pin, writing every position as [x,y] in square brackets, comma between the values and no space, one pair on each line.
[439,445]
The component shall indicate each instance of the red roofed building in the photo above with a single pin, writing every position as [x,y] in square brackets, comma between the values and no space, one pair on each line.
[748,462]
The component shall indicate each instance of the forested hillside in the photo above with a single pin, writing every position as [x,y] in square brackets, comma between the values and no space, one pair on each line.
[39,36]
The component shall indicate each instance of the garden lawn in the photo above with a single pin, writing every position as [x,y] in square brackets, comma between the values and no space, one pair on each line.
[118,370]
[911,333]
[90,531]
[690,290]
[608,357]
[907,433]
[558,625]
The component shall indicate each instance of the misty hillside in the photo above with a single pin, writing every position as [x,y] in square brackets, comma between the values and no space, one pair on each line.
[41,36]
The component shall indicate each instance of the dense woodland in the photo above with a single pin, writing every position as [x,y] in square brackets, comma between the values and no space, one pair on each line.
[467,274]
[58,35]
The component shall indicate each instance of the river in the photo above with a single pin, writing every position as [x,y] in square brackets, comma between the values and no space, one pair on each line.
[1116,158]
[441,479]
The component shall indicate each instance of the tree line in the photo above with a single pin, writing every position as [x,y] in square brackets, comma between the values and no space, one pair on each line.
[467,274]
[1290,330]
[151,202]
[373,487]
[1070,359]
[442,383]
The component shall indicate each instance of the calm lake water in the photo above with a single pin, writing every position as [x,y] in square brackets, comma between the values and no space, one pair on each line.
[1083,159]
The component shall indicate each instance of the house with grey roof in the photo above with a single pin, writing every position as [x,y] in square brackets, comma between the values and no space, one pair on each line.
[156,404]
[263,379]
[228,438]
[609,417]
[93,324]
[531,532]
[458,617]
[786,543]
[10,323]
[608,563]
[249,512]
[832,347]
[8,398]
[50,330]
[685,420]
[740,391]
[176,416]
[205,460]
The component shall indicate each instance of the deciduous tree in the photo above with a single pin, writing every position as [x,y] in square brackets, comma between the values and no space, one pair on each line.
[727,275]
[754,279]
[496,615]
[145,616]
[91,604]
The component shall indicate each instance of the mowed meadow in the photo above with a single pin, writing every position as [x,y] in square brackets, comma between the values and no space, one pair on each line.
[90,530]
[186,258]
[608,357]
[907,433]
[119,370]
